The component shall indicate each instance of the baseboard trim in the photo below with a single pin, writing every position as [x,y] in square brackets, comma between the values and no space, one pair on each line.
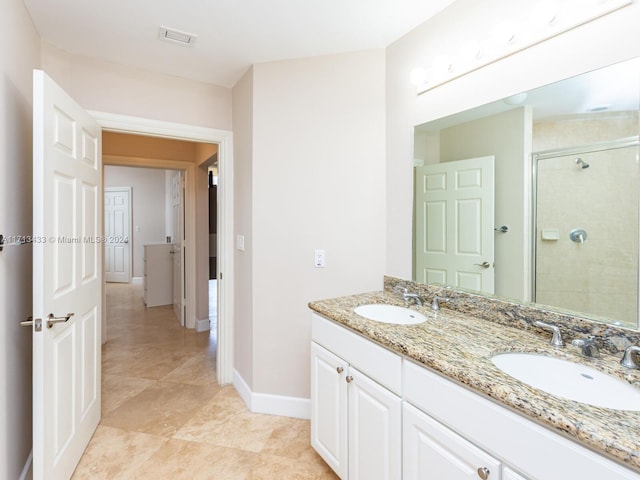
[271,404]
[137,280]
[203,325]
[27,472]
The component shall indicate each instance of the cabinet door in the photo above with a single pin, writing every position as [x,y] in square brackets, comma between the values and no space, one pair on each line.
[375,430]
[433,452]
[508,474]
[329,408]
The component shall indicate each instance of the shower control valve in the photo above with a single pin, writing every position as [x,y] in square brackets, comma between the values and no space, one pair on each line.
[578,235]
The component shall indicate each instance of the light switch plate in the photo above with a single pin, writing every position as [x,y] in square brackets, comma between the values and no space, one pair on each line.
[240,242]
[319,259]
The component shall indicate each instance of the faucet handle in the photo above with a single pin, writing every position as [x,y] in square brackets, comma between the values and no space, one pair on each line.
[630,357]
[556,339]
[587,345]
[435,303]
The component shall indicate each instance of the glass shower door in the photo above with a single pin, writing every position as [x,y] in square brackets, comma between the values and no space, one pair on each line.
[586,246]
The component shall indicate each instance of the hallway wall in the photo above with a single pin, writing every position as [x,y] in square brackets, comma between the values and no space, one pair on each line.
[19,55]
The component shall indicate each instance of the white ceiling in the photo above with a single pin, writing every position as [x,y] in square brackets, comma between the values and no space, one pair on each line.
[232,34]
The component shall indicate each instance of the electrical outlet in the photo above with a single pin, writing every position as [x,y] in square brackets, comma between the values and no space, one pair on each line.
[319,258]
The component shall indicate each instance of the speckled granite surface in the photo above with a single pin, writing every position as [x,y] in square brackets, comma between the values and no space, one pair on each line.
[460,340]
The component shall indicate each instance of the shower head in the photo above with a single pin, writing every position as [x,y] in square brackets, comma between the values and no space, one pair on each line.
[582,163]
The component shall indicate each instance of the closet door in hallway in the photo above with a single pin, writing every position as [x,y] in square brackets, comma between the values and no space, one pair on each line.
[117,233]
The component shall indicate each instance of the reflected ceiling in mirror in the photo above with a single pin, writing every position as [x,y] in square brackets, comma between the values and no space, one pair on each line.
[542,193]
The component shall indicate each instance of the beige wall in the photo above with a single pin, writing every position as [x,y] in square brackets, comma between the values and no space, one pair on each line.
[243,225]
[610,39]
[19,55]
[147,207]
[317,182]
[108,87]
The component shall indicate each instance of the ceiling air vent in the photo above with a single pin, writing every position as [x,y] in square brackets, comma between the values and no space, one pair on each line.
[176,36]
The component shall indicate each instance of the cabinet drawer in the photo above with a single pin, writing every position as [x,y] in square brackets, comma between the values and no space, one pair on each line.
[378,363]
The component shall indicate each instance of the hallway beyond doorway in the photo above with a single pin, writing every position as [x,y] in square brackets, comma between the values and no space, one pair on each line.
[164,415]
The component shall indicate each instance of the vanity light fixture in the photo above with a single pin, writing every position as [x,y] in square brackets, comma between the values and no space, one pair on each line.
[543,13]
[547,19]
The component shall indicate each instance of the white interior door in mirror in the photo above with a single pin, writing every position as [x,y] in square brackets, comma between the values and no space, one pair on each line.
[67,279]
[454,237]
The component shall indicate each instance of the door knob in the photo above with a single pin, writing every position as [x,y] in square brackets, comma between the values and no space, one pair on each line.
[349,379]
[51,319]
[483,264]
[30,321]
[340,369]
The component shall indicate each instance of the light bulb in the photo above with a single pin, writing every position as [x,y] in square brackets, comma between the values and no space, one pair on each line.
[544,13]
[441,64]
[504,32]
[418,76]
[469,52]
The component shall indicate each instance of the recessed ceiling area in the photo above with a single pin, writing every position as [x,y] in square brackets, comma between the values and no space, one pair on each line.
[231,35]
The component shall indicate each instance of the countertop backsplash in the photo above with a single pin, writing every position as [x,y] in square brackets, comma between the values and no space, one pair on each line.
[609,338]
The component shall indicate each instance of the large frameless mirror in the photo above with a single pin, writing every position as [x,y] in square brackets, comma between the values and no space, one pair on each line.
[535,197]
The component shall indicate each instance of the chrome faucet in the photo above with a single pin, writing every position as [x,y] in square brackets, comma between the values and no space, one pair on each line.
[630,357]
[435,303]
[556,339]
[408,296]
[588,346]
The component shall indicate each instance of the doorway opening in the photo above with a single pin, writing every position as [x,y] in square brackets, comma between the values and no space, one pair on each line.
[114,123]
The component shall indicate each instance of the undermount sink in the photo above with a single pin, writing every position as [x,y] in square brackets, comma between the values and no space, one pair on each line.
[569,380]
[390,314]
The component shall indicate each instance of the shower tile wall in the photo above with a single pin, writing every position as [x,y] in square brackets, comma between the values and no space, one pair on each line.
[601,275]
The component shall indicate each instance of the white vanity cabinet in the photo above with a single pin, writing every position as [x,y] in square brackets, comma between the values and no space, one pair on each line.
[356,410]
[536,452]
[508,474]
[377,415]
[431,451]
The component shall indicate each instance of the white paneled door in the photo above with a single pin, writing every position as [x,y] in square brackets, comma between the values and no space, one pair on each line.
[117,234]
[454,223]
[67,280]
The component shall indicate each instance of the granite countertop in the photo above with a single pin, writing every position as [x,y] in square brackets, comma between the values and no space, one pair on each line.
[460,346]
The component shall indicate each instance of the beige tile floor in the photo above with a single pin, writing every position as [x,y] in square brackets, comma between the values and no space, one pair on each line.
[165,417]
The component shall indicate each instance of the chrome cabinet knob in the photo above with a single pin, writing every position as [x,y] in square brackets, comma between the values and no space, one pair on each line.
[339,369]
[483,473]
[349,379]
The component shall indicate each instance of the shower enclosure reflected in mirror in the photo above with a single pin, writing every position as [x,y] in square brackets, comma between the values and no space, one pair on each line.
[565,189]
